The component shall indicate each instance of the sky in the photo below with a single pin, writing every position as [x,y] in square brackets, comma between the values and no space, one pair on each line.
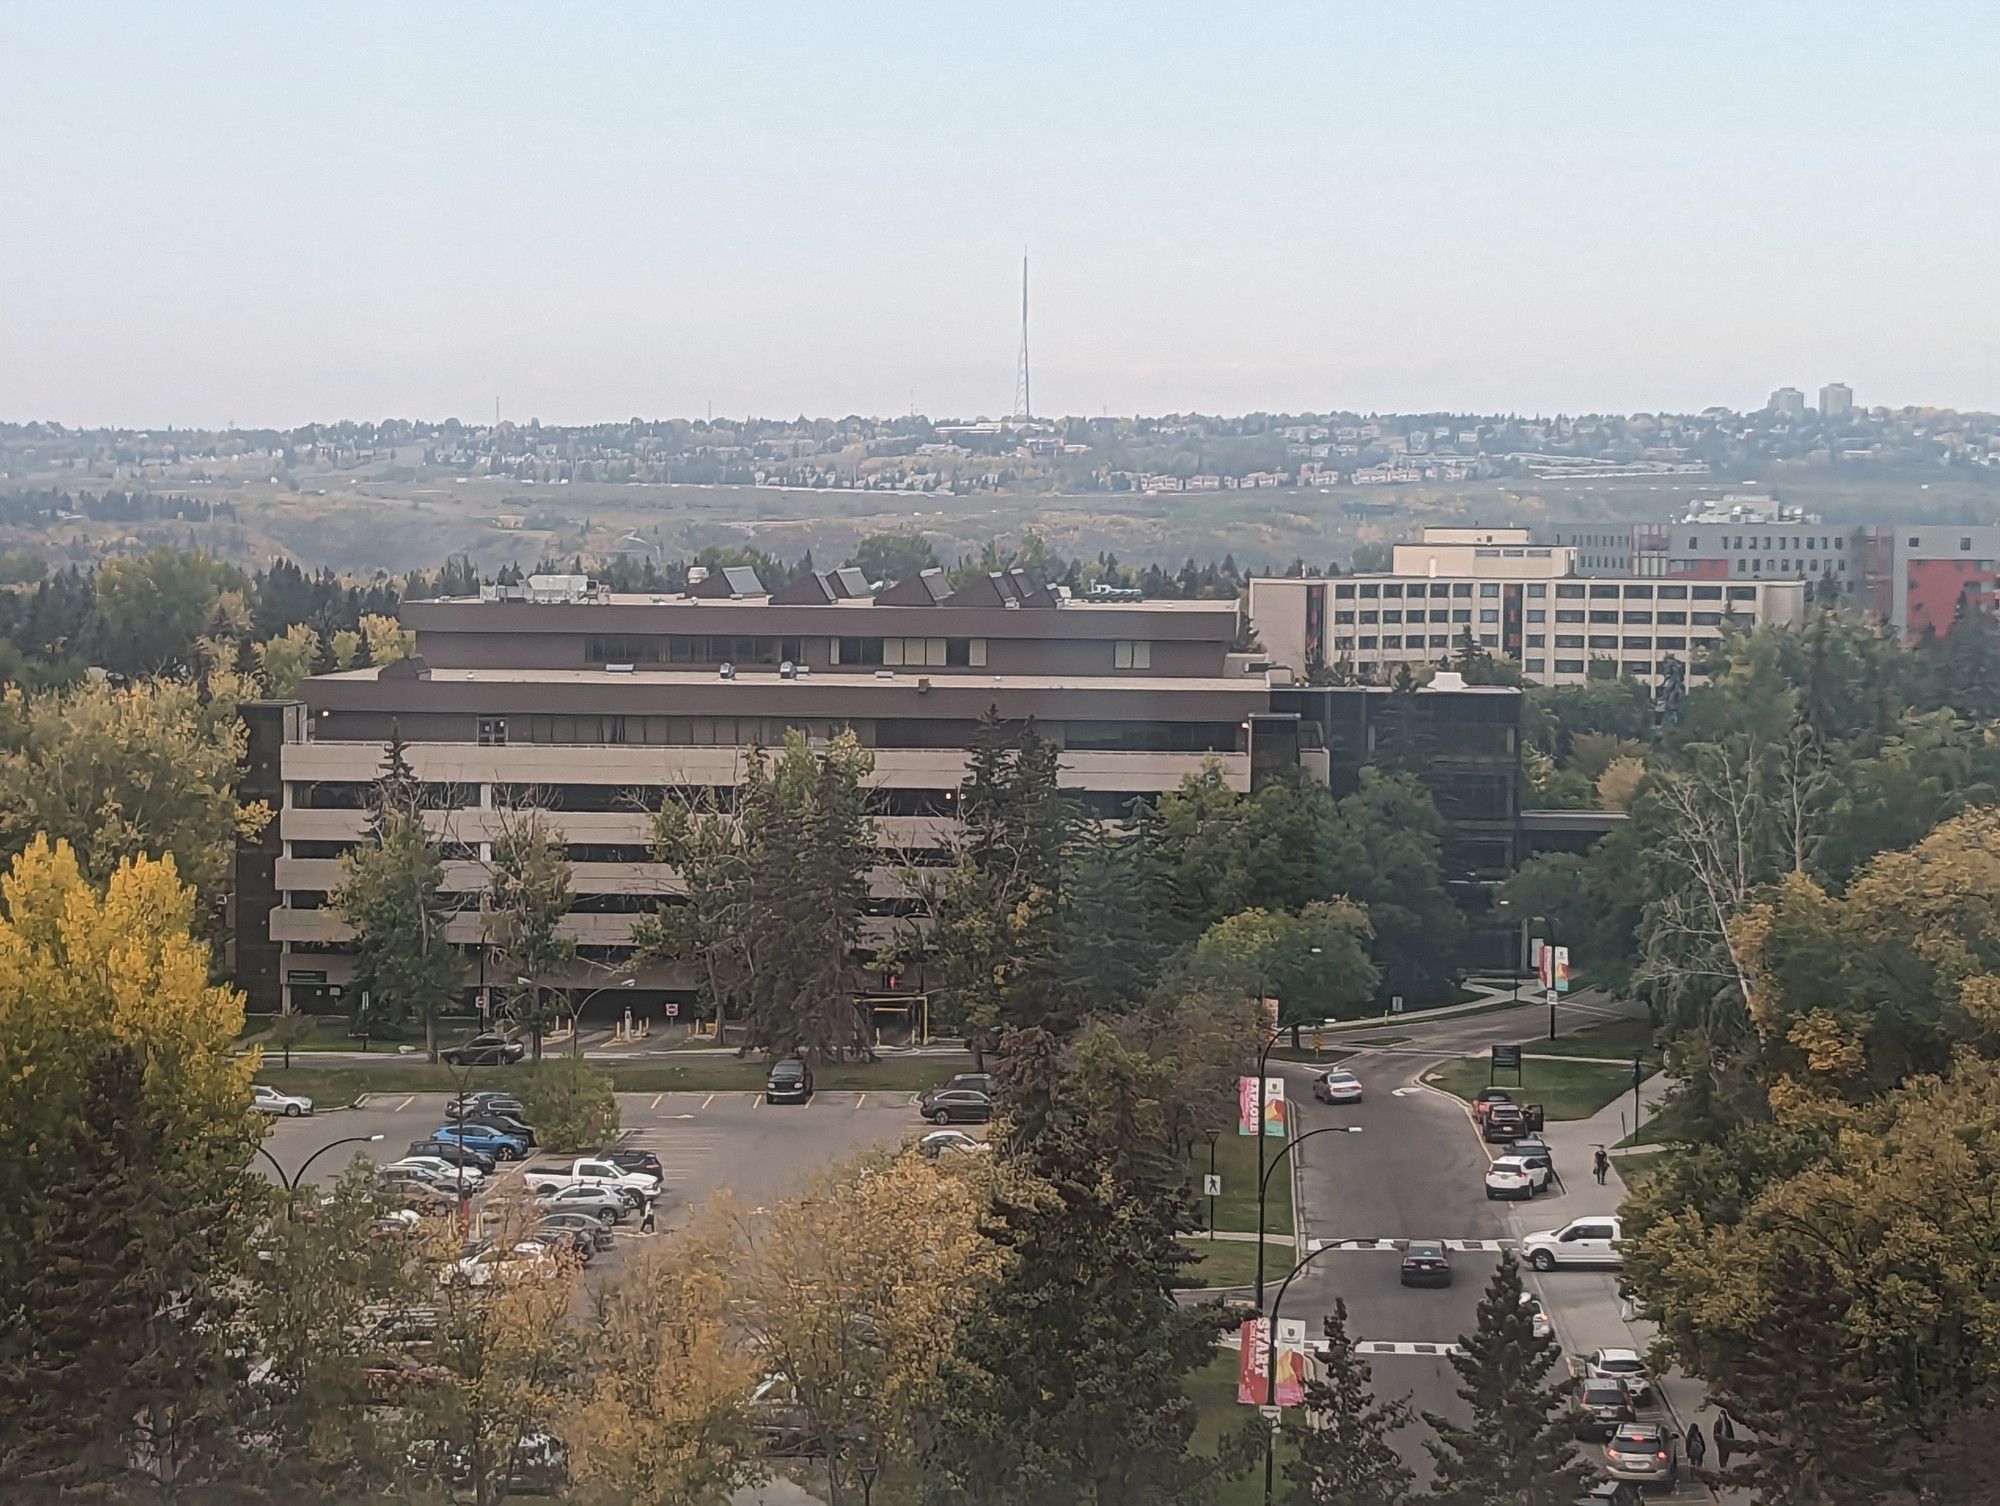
[269,215]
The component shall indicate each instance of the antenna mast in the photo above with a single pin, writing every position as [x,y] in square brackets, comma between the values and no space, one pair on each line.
[1023,406]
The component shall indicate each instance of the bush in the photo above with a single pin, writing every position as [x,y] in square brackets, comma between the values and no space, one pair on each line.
[570,1104]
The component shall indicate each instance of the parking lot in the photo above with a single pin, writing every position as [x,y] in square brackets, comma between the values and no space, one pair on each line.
[705,1141]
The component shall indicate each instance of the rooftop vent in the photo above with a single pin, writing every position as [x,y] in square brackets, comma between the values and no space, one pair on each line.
[618,669]
[885,674]
[787,670]
[727,672]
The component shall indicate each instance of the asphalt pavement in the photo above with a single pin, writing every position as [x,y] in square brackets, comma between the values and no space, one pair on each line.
[1416,1172]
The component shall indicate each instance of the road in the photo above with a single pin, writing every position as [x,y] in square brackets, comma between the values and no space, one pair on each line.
[1415,1173]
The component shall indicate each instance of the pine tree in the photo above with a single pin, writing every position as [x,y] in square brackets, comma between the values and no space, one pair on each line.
[1343,1453]
[1520,1446]
[1108,955]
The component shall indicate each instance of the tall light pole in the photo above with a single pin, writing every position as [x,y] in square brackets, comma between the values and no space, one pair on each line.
[1271,1365]
[576,1012]
[1263,1178]
[1264,1182]
[290,1182]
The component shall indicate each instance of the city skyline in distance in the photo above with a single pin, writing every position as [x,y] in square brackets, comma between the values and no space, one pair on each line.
[1562,211]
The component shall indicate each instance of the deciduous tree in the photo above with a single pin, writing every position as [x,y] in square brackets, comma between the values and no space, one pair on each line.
[527,899]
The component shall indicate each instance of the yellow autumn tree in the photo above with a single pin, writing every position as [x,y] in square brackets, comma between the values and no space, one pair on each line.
[387,639]
[665,1415]
[80,967]
[851,1295]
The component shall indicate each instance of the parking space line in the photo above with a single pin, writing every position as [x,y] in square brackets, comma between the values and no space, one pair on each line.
[863,1098]
[756,1100]
[656,1101]
[405,1103]
[708,1100]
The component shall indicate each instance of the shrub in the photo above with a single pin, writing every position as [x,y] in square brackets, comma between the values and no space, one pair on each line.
[570,1104]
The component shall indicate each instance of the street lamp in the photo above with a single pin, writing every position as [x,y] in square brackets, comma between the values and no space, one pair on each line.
[868,1472]
[576,1012]
[1271,1363]
[1263,1186]
[291,1183]
[1521,958]
[1263,1061]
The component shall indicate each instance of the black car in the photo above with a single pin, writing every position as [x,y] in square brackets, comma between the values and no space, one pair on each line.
[978,1082]
[452,1151]
[493,1119]
[1535,1151]
[1426,1262]
[635,1160]
[791,1082]
[489,1050]
[1505,1121]
[956,1106]
[1606,1406]
[473,1103]
[598,1231]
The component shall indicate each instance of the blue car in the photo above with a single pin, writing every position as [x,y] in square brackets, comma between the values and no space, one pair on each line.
[479,1137]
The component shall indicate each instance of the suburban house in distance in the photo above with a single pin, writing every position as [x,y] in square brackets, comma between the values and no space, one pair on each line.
[595,707]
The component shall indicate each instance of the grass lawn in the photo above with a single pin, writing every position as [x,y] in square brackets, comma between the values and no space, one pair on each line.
[1631,1168]
[1233,1262]
[1619,1038]
[339,1085]
[1565,1090]
[330,1034]
[1236,1163]
[1213,1391]
[1659,1128]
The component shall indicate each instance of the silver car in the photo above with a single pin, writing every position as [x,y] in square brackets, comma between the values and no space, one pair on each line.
[271,1101]
[1644,1453]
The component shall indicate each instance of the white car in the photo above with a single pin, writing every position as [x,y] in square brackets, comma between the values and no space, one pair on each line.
[948,1141]
[1544,1325]
[1511,1176]
[1337,1086]
[1621,1365]
[437,1169]
[271,1101]
[1584,1241]
[528,1259]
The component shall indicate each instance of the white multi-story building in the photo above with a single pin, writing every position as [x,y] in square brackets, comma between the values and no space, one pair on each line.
[1524,601]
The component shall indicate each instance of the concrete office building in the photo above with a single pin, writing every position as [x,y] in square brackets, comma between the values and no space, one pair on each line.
[1789,401]
[596,708]
[1524,600]
[1836,402]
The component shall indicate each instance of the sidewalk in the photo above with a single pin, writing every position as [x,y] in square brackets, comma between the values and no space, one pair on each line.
[1585,1304]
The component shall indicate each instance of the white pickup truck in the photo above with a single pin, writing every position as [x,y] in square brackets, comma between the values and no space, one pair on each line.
[586,1171]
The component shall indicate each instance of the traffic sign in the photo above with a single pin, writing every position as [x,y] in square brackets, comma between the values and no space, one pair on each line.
[1552,997]
[673,1009]
[1211,1186]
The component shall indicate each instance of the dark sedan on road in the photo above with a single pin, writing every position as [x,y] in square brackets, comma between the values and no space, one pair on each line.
[956,1106]
[1606,1406]
[489,1050]
[1426,1262]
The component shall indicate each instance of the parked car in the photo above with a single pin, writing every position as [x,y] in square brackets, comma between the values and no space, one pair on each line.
[598,1202]
[1505,1121]
[473,1103]
[791,1081]
[946,1142]
[421,1196]
[481,1138]
[978,1082]
[506,1124]
[586,1223]
[1604,1406]
[564,1244]
[587,1171]
[1644,1453]
[451,1150]
[271,1101]
[1535,1151]
[439,1174]
[956,1106]
[1585,1241]
[526,1260]
[1624,1365]
[1426,1262]
[1337,1086]
[489,1050]
[1482,1105]
[635,1160]
[1511,1177]
[441,1166]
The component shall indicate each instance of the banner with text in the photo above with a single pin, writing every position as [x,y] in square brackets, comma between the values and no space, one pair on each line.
[1253,1380]
[1274,1106]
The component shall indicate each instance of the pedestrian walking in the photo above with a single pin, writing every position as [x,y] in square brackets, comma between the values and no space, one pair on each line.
[1600,1163]
[1725,1440]
[646,1218]
[1697,1445]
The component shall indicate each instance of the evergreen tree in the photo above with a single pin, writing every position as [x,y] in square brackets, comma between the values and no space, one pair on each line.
[1343,1453]
[1108,955]
[1520,1446]
[121,1362]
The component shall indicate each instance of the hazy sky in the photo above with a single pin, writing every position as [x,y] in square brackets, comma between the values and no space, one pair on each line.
[274,213]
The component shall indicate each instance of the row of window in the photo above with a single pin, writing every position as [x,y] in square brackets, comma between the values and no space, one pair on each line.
[1784,541]
[915,653]
[690,648]
[1536,590]
[1596,642]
